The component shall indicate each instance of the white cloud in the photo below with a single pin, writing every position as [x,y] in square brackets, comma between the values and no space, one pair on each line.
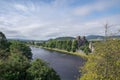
[34,21]
[31,28]
[21,7]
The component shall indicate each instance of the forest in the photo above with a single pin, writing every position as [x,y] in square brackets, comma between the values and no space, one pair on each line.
[70,45]
[16,63]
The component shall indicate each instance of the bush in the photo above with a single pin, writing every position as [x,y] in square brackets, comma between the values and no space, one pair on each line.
[104,64]
[40,71]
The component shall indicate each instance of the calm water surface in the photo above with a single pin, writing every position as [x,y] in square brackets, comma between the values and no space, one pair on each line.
[67,66]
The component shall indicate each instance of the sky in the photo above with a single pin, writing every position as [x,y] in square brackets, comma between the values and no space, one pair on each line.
[45,19]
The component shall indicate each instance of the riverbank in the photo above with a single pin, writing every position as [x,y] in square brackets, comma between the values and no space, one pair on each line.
[84,56]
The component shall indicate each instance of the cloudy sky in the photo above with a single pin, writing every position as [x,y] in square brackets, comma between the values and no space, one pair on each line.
[44,19]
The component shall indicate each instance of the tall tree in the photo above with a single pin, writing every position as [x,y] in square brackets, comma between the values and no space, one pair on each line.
[22,48]
[3,40]
[4,46]
[69,45]
[74,45]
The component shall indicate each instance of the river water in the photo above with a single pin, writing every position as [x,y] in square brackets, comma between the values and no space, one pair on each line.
[67,66]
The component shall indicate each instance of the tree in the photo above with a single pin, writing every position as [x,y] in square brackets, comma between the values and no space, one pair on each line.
[40,71]
[14,68]
[64,45]
[69,44]
[17,65]
[22,48]
[3,41]
[4,54]
[105,63]
[51,44]
[4,46]
[85,48]
[74,45]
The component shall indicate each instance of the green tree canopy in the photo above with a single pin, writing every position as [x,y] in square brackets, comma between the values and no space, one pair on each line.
[4,46]
[40,71]
[69,45]
[74,45]
[3,41]
[15,63]
[105,63]
[21,48]
[14,68]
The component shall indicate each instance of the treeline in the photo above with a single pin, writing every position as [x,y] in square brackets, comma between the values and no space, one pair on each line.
[68,45]
[104,64]
[64,45]
[16,63]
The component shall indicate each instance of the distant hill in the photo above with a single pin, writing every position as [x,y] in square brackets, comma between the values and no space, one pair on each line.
[92,37]
[89,37]
[116,36]
[64,38]
[98,37]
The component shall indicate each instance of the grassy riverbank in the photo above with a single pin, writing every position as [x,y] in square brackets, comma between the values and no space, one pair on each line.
[66,52]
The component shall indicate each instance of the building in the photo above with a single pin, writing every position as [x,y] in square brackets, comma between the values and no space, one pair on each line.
[81,40]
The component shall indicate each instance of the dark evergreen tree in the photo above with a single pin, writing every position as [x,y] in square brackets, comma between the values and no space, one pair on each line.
[69,45]
[74,45]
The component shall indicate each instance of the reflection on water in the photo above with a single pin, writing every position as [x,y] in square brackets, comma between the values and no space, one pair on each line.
[67,66]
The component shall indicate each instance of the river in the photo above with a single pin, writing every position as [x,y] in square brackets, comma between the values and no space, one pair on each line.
[67,66]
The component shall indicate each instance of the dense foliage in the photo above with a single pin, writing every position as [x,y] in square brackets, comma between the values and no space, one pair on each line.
[3,41]
[21,48]
[68,45]
[14,68]
[40,71]
[104,64]
[4,46]
[64,44]
[85,48]
[16,64]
